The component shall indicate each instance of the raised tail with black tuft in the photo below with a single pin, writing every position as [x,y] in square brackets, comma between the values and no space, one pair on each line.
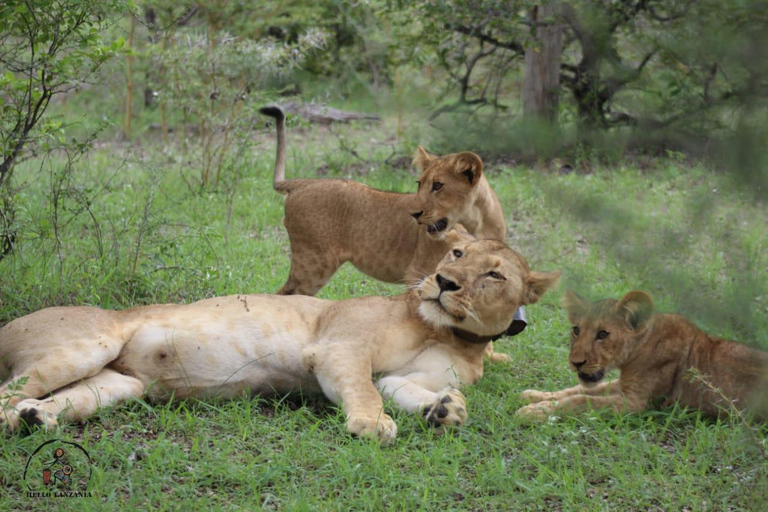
[277,113]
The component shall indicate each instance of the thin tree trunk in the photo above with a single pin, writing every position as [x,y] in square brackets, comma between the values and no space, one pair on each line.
[129,82]
[541,84]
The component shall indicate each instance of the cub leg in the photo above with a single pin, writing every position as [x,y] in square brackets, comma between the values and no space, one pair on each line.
[446,407]
[604,388]
[310,270]
[579,402]
[348,383]
[77,401]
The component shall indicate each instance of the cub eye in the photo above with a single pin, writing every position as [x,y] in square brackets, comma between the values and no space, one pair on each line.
[436,186]
[575,331]
[458,253]
[494,275]
[601,335]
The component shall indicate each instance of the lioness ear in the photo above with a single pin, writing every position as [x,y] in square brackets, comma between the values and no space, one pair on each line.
[469,166]
[574,305]
[538,283]
[421,159]
[637,308]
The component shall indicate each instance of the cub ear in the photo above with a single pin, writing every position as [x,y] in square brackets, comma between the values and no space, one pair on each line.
[637,308]
[538,283]
[575,306]
[458,235]
[470,166]
[422,159]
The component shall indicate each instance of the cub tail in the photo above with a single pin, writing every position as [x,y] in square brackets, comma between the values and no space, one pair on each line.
[279,183]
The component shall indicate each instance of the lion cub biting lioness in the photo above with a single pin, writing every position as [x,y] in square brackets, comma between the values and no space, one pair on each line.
[659,356]
[66,362]
[332,221]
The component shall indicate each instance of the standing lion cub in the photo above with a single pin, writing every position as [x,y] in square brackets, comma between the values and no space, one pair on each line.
[654,353]
[389,236]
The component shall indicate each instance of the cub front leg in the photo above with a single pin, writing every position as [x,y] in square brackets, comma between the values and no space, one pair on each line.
[579,402]
[604,388]
[346,380]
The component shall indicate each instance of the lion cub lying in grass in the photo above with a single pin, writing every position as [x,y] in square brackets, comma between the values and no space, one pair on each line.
[65,363]
[654,353]
[331,221]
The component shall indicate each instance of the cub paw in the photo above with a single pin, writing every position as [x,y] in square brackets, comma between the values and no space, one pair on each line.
[449,409]
[381,427]
[537,411]
[532,396]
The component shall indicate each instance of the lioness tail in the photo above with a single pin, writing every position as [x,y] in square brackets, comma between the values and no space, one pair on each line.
[279,182]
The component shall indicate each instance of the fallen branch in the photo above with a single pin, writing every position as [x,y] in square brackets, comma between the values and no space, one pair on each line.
[327,115]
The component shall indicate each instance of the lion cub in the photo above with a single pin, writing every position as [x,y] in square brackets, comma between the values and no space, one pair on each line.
[331,221]
[654,353]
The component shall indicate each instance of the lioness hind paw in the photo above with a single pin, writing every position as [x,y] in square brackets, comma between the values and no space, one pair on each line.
[31,415]
[449,409]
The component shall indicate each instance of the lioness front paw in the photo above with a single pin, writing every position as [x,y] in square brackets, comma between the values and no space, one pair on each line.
[538,411]
[449,409]
[381,427]
[532,396]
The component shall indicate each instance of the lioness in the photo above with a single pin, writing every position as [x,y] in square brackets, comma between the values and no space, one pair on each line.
[332,221]
[654,353]
[416,347]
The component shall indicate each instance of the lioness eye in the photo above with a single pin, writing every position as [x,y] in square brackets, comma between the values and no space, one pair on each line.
[601,335]
[575,330]
[458,253]
[436,186]
[494,275]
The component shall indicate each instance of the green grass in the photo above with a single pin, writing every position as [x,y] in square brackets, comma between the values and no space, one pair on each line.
[687,235]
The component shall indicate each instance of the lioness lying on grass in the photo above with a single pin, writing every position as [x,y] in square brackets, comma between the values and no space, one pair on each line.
[414,348]
[659,356]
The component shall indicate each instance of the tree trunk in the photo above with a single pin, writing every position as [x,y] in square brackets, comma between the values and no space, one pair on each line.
[541,83]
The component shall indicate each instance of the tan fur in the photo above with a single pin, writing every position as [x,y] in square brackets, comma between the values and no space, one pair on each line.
[330,221]
[654,353]
[76,359]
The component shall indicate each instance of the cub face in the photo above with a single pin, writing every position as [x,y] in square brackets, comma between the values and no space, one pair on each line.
[446,187]
[605,333]
[477,287]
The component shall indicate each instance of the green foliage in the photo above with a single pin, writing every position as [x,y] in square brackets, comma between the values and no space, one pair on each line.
[47,47]
[684,233]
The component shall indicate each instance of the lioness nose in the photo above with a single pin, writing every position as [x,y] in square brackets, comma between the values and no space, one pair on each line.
[579,364]
[417,214]
[446,285]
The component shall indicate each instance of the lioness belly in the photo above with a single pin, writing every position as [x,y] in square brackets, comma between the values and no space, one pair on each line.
[222,346]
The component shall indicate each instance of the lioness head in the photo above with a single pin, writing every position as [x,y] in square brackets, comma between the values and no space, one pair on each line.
[605,333]
[445,188]
[478,286]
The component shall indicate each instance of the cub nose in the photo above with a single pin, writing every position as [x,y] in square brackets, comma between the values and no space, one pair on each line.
[417,214]
[446,285]
[579,364]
